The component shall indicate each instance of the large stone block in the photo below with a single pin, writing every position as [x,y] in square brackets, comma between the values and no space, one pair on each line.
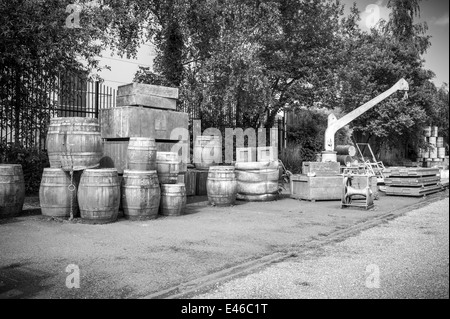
[146,101]
[147,89]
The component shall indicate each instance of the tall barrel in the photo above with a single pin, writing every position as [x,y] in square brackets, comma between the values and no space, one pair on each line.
[140,195]
[345,160]
[12,190]
[99,196]
[345,150]
[55,196]
[222,186]
[433,141]
[427,131]
[54,142]
[168,167]
[141,154]
[78,143]
[440,142]
[257,183]
[207,152]
[173,199]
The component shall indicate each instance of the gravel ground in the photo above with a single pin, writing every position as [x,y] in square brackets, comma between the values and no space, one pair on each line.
[410,255]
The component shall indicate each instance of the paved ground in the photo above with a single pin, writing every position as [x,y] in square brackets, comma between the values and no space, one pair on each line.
[135,259]
[405,258]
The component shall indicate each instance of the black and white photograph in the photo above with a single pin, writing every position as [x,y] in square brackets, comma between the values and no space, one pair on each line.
[223,158]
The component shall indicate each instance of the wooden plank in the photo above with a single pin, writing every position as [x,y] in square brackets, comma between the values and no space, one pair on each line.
[202,178]
[191,182]
[403,171]
[134,121]
[147,89]
[412,191]
[146,101]
[321,169]
[412,181]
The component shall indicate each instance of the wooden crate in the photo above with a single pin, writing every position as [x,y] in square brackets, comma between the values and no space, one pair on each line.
[412,191]
[191,182]
[147,89]
[133,121]
[317,188]
[321,169]
[411,181]
[146,101]
[115,153]
[202,178]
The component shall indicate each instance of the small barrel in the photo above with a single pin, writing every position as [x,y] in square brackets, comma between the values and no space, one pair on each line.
[345,160]
[207,152]
[54,142]
[221,186]
[99,196]
[441,152]
[168,167]
[257,184]
[440,142]
[140,195]
[433,141]
[435,131]
[427,131]
[78,143]
[173,199]
[57,194]
[12,190]
[141,154]
[345,150]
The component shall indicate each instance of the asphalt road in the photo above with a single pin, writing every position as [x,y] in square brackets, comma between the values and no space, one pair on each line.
[402,259]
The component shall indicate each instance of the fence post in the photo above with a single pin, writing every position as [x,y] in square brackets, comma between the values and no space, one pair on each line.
[97,98]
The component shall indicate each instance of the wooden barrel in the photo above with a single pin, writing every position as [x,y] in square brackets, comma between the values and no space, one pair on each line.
[173,199]
[257,184]
[78,143]
[345,150]
[12,190]
[54,142]
[345,159]
[221,186]
[140,195]
[168,167]
[441,152]
[141,154]
[440,142]
[99,196]
[55,196]
[427,131]
[433,141]
[435,131]
[207,152]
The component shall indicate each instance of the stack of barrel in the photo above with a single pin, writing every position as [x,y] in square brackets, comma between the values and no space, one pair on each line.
[140,188]
[173,192]
[434,154]
[72,184]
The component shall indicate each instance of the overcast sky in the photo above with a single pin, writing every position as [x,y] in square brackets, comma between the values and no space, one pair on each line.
[435,13]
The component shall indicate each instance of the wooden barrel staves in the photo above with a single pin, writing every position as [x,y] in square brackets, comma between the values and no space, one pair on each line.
[168,167]
[54,142]
[78,143]
[12,190]
[99,196]
[141,154]
[207,152]
[173,199]
[140,195]
[257,184]
[221,186]
[345,150]
[55,196]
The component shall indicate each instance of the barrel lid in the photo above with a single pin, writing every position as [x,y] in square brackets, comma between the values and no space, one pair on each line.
[101,170]
[222,168]
[133,172]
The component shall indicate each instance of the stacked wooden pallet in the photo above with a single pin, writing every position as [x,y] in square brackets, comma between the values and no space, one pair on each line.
[144,111]
[416,182]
